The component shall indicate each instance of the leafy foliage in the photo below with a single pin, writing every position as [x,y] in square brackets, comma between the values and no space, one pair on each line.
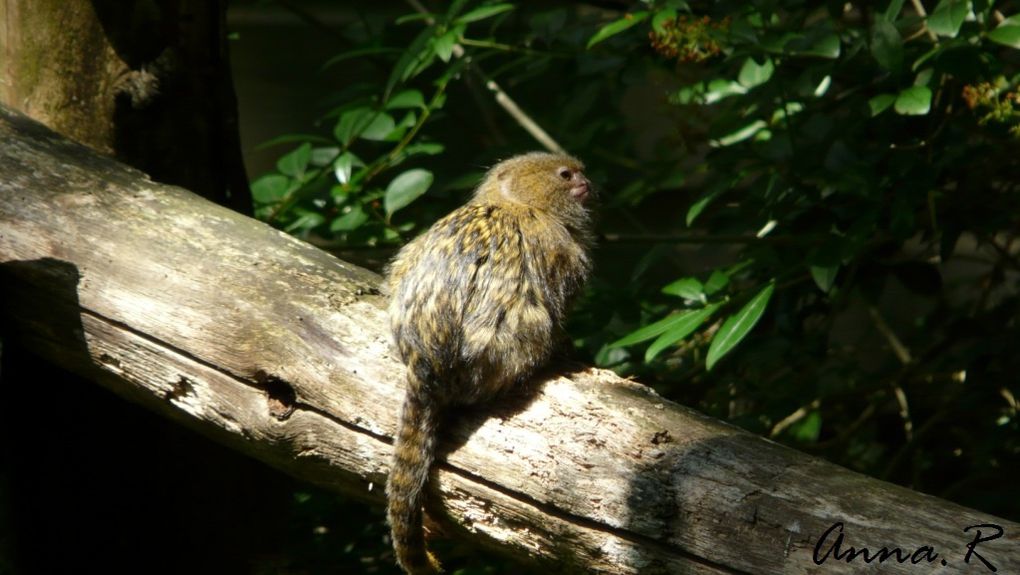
[825,195]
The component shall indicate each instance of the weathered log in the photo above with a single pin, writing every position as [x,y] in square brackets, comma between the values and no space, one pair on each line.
[279,350]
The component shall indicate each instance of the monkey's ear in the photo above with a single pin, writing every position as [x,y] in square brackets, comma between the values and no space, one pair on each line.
[502,174]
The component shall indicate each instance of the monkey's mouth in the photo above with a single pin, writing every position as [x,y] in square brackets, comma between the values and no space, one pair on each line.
[580,192]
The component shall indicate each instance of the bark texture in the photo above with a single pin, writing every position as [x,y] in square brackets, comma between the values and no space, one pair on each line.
[279,350]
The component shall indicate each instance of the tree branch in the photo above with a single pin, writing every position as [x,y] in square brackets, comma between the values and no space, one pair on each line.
[280,351]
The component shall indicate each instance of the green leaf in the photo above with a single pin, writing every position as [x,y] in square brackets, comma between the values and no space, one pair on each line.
[484,12]
[824,276]
[717,281]
[412,58]
[413,17]
[654,329]
[455,7]
[662,17]
[920,61]
[409,120]
[294,163]
[614,28]
[740,134]
[322,156]
[444,45]
[646,261]
[881,103]
[1006,34]
[753,74]
[948,16]
[822,87]
[351,124]
[687,288]
[719,89]
[913,101]
[352,220]
[380,127]
[923,77]
[699,206]
[291,138]
[423,148]
[406,188]
[426,148]
[886,45]
[825,45]
[682,328]
[451,72]
[269,189]
[709,93]
[893,10]
[306,220]
[807,429]
[786,112]
[364,123]
[344,165]
[737,326]
[406,99]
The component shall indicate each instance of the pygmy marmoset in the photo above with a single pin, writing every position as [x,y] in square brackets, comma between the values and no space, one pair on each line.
[476,304]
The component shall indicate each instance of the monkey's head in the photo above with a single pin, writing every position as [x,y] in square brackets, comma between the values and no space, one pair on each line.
[554,183]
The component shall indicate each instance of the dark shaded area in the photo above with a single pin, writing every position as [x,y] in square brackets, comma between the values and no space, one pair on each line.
[86,476]
[89,477]
[176,115]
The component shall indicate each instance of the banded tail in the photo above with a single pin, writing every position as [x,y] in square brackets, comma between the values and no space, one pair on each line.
[413,452]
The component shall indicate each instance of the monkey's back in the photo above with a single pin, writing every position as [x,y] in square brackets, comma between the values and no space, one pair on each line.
[476,300]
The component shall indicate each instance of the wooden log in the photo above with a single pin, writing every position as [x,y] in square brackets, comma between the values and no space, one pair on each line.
[279,350]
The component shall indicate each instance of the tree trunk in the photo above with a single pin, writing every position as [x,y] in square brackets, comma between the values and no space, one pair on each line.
[145,81]
[281,351]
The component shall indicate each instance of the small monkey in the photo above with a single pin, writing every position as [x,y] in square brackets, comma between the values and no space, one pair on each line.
[477,302]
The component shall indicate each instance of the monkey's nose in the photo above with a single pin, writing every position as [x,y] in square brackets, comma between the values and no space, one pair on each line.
[581,189]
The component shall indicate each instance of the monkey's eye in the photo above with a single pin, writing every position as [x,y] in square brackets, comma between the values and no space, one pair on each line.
[565,173]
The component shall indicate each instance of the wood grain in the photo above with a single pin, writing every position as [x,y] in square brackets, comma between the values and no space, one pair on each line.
[275,348]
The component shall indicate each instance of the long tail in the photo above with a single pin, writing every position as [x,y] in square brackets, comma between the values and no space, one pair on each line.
[413,453]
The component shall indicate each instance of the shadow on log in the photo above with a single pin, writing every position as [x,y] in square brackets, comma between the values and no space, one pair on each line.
[280,351]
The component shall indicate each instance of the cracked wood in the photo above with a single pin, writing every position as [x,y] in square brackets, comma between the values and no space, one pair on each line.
[279,350]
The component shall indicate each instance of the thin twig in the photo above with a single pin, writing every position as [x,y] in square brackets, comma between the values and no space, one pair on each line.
[919,8]
[901,351]
[922,431]
[508,48]
[501,97]
[794,417]
[523,119]
[1010,398]
[901,399]
[1005,253]
[903,354]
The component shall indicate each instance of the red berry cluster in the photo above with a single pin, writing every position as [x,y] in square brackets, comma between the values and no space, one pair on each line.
[689,39]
